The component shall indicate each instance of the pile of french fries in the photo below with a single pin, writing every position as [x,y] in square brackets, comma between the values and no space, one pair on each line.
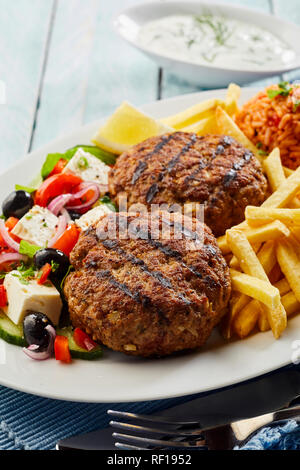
[263,252]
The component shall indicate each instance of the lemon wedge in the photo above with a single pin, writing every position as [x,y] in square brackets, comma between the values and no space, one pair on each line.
[126,127]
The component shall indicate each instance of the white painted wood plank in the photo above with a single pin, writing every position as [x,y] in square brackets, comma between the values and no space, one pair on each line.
[118,71]
[90,70]
[24,29]
[173,85]
[289,10]
[65,82]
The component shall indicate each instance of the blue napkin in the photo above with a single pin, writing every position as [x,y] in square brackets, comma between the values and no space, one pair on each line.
[34,423]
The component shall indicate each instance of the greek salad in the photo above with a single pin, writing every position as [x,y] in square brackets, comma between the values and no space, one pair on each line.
[39,227]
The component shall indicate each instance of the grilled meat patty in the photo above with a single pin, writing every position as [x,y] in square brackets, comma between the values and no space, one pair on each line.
[148,296]
[182,168]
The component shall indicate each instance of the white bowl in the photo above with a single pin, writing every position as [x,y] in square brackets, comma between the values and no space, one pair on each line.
[129,21]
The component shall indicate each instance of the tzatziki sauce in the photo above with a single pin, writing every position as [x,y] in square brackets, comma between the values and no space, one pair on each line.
[216,41]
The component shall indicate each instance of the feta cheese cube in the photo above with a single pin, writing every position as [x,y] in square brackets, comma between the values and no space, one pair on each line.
[23,298]
[37,226]
[88,167]
[93,216]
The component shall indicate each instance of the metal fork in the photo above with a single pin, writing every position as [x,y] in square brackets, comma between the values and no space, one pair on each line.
[154,432]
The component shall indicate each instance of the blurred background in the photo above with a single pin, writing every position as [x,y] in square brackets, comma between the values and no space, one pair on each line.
[63,65]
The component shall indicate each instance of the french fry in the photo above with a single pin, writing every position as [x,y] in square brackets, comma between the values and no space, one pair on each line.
[246,319]
[283,287]
[275,274]
[232,98]
[277,174]
[285,193]
[234,263]
[250,264]
[296,233]
[287,171]
[255,288]
[295,203]
[237,303]
[272,231]
[257,216]
[222,242]
[267,256]
[199,111]
[245,254]
[274,170]
[257,235]
[290,303]
[290,265]
[227,126]
[204,126]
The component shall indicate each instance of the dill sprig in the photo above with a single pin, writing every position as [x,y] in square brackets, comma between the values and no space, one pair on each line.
[221,30]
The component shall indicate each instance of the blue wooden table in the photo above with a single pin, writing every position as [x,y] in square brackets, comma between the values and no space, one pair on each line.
[63,66]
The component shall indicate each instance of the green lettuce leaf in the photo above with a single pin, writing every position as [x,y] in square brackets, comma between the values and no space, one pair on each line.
[28,249]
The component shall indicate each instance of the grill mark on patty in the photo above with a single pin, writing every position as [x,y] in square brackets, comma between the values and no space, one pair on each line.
[185,231]
[170,252]
[238,166]
[142,165]
[167,251]
[139,298]
[114,245]
[154,188]
[202,166]
[226,141]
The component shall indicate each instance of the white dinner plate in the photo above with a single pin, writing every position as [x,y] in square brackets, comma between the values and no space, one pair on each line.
[129,22]
[120,378]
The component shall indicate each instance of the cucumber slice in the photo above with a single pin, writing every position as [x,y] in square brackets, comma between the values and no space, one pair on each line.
[76,351]
[10,332]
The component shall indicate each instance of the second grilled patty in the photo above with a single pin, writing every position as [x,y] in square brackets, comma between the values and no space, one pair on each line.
[182,168]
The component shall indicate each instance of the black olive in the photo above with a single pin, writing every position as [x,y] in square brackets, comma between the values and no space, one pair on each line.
[17,204]
[74,215]
[56,258]
[34,328]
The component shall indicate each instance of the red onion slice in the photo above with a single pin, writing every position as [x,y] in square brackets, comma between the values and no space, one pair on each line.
[62,225]
[59,203]
[67,215]
[6,257]
[7,238]
[33,350]
[83,189]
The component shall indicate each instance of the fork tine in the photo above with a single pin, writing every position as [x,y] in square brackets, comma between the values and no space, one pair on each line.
[151,419]
[144,429]
[121,446]
[159,442]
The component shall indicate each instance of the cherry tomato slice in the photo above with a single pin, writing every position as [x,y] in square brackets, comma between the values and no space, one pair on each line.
[54,186]
[60,165]
[83,340]
[67,240]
